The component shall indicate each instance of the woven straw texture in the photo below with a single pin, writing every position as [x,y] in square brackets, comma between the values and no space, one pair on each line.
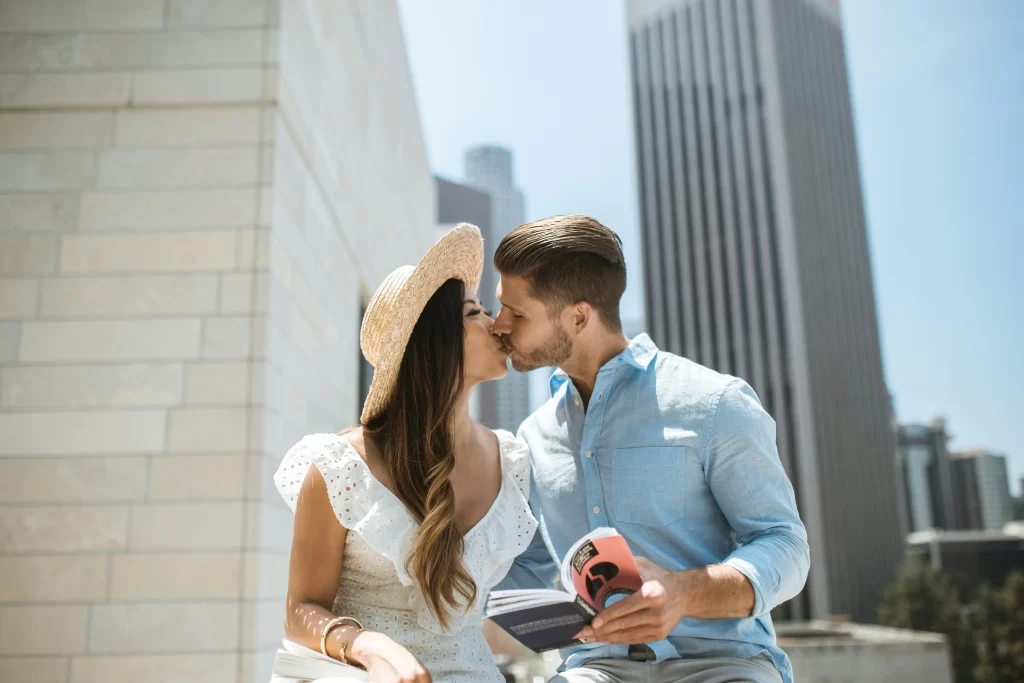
[399,301]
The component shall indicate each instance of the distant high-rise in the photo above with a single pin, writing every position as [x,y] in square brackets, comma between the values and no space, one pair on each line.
[756,257]
[927,476]
[458,203]
[489,168]
[982,490]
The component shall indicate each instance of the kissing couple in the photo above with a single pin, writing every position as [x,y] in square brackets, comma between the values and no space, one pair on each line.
[405,524]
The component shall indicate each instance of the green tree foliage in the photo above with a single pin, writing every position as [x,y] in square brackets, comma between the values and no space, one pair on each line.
[923,599]
[997,625]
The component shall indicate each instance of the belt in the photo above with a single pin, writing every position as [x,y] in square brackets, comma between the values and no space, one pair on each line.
[641,653]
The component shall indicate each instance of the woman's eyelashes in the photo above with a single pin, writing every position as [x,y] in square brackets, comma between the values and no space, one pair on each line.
[476,311]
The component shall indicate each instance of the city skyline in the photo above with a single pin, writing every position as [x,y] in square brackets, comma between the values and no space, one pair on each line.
[565,112]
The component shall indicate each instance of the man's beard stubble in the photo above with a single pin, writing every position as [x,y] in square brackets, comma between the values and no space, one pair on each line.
[554,352]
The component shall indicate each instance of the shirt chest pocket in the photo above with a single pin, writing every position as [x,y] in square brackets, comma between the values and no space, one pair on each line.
[647,485]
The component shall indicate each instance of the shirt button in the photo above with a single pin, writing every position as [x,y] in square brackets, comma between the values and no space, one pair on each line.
[590,454]
[596,510]
[576,401]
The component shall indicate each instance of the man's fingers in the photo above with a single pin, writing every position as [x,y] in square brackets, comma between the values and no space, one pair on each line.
[624,623]
[633,636]
[627,605]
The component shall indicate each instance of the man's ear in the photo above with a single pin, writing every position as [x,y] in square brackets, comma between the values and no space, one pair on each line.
[580,315]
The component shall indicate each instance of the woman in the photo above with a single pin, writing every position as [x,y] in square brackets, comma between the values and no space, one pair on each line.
[404,524]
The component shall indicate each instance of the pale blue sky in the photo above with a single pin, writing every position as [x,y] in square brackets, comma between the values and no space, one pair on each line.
[938,90]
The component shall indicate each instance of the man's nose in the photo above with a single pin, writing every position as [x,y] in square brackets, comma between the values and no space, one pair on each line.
[501,324]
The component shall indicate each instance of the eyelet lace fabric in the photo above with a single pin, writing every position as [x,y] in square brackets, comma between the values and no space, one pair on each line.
[375,586]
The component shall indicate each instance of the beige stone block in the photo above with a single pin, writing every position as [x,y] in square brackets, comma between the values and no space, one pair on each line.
[226,337]
[262,624]
[269,526]
[27,254]
[231,13]
[65,51]
[64,529]
[21,130]
[10,340]
[72,480]
[200,430]
[190,127]
[269,125]
[46,170]
[266,575]
[39,90]
[168,209]
[217,383]
[209,48]
[270,82]
[82,433]
[81,15]
[18,298]
[48,669]
[145,295]
[117,340]
[178,168]
[42,629]
[53,578]
[176,668]
[243,292]
[39,212]
[199,86]
[273,46]
[180,627]
[197,477]
[185,526]
[148,252]
[91,386]
[254,248]
[176,576]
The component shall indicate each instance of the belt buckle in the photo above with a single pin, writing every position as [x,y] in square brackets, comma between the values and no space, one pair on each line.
[641,653]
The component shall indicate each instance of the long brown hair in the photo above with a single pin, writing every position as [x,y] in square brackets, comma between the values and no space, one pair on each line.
[415,435]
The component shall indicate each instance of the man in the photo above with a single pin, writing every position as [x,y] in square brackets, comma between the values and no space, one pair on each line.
[679,458]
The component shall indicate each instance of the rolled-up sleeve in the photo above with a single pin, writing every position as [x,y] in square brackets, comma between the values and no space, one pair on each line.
[743,470]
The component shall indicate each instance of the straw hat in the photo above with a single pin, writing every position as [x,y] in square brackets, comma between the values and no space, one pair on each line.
[398,302]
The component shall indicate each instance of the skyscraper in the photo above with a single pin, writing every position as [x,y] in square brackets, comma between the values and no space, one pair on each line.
[927,477]
[982,490]
[756,257]
[457,203]
[489,168]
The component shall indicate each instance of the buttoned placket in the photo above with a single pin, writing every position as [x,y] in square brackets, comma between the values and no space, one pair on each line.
[593,421]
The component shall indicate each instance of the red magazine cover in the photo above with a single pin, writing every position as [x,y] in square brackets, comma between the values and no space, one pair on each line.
[603,568]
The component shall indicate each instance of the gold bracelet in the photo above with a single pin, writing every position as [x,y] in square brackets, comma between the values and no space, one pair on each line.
[358,627]
[336,621]
[323,634]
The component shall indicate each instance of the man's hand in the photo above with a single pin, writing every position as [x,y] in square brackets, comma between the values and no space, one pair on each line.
[646,616]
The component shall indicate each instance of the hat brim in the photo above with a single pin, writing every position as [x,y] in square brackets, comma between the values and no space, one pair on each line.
[458,255]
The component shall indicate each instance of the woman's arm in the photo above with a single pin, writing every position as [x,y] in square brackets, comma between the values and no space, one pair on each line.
[314,575]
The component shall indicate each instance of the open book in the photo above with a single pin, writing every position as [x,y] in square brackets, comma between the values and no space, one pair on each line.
[296,663]
[596,569]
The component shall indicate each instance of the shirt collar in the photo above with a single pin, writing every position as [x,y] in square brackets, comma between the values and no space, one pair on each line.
[640,352]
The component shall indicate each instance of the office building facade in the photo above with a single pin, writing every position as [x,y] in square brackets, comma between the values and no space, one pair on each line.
[981,490]
[756,257]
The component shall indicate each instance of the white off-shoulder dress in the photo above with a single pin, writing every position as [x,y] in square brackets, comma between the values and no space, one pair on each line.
[375,587]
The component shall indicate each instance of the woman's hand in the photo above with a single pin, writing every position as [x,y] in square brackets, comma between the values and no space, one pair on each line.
[386,661]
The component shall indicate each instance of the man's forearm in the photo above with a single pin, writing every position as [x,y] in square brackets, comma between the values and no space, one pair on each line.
[713,592]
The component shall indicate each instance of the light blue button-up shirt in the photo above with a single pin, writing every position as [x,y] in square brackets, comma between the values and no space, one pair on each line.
[682,461]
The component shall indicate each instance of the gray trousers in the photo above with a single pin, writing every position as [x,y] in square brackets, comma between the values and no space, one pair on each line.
[759,669]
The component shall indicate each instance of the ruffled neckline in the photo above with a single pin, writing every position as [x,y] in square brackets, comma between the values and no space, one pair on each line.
[363,504]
